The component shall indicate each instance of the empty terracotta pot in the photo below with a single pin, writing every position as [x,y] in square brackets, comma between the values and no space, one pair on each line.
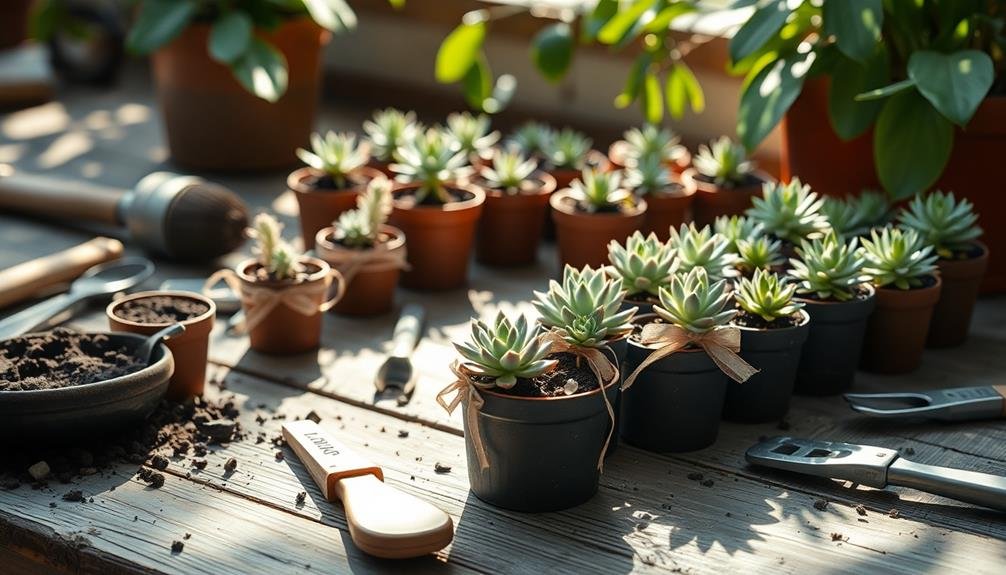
[583,237]
[213,123]
[962,279]
[511,225]
[896,332]
[668,209]
[712,201]
[190,349]
[440,236]
[321,206]
[371,274]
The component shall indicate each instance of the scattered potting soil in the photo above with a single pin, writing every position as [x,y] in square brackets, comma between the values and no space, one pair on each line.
[441,468]
[177,546]
[160,309]
[62,358]
[554,382]
[861,510]
[821,504]
[745,319]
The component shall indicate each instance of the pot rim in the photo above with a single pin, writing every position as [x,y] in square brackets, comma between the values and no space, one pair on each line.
[871,295]
[687,191]
[323,270]
[615,380]
[593,158]
[556,201]
[208,314]
[323,237]
[616,155]
[936,286]
[984,253]
[479,199]
[691,175]
[294,181]
[804,320]
[548,185]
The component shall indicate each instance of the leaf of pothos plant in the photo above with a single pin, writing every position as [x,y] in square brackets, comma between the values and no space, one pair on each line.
[663,19]
[230,36]
[334,15]
[955,84]
[552,50]
[849,116]
[856,25]
[633,82]
[889,90]
[652,101]
[911,144]
[767,97]
[159,22]
[682,88]
[477,83]
[620,24]
[459,51]
[763,24]
[262,70]
[603,11]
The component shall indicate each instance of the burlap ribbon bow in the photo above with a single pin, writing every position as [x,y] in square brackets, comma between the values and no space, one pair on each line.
[721,345]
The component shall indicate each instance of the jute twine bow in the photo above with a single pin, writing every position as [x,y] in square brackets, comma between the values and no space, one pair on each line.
[721,345]
[379,255]
[258,302]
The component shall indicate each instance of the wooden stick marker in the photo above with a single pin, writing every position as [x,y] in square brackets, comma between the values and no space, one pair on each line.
[383,521]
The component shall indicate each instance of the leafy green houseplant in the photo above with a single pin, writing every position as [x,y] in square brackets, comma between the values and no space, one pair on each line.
[903,269]
[386,130]
[725,179]
[435,209]
[592,212]
[643,265]
[790,212]
[668,200]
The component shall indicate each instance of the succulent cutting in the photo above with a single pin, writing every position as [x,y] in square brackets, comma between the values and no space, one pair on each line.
[695,303]
[470,134]
[829,268]
[336,154]
[584,308]
[767,295]
[643,264]
[359,228]
[790,212]
[702,248]
[723,162]
[898,257]
[567,149]
[505,351]
[596,191]
[278,258]
[651,141]
[949,225]
[648,176]
[429,160]
[760,253]
[387,130]
[509,170]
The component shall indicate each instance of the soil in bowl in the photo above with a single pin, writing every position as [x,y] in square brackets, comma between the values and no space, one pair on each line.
[62,358]
[160,309]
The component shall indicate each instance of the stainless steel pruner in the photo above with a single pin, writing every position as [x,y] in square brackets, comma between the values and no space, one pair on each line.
[952,404]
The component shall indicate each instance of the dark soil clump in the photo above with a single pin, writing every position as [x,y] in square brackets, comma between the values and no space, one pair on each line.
[553,383]
[160,309]
[62,358]
[745,319]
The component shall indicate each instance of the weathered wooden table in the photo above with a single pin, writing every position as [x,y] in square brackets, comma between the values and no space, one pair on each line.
[651,514]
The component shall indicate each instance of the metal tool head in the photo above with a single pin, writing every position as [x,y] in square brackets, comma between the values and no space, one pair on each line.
[114,276]
[953,404]
[861,464]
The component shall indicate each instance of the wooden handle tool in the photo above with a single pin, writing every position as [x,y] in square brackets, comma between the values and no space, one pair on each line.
[29,279]
[383,521]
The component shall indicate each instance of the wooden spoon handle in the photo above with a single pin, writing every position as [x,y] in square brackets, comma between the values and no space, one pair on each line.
[28,279]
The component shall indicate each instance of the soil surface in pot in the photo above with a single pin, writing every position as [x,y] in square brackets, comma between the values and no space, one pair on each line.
[407,198]
[749,180]
[259,272]
[62,358]
[745,319]
[160,309]
[382,238]
[530,186]
[859,293]
[326,183]
[552,383]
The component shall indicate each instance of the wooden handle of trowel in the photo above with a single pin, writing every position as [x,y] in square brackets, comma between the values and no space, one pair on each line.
[383,521]
[27,280]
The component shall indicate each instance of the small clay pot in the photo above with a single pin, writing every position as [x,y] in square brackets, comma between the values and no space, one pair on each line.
[542,451]
[831,352]
[583,237]
[285,331]
[370,290]
[712,201]
[511,225]
[440,237]
[669,209]
[617,158]
[321,207]
[961,281]
[896,332]
[776,354]
[565,176]
[190,349]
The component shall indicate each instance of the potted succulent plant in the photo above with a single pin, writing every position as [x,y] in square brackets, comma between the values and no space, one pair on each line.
[759,253]
[517,194]
[470,135]
[532,138]
[668,201]
[903,270]
[725,180]
[437,212]
[594,210]
[837,295]
[568,153]
[735,228]
[368,253]
[283,292]
[951,228]
[387,130]
[874,209]
[790,212]
[237,82]
[649,141]
[702,248]
[335,175]
[537,412]
[643,266]
[679,359]
[773,330]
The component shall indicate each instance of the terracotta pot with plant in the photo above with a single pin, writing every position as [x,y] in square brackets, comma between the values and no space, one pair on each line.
[238,83]
[283,293]
[470,134]
[335,175]
[517,196]
[673,398]
[903,270]
[369,254]
[387,130]
[567,153]
[789,212]
[668,201]
[837,295]
[773,330]
[595,210]
[437,213]
[725,180]
[951,228]
[637,144]
[643,266]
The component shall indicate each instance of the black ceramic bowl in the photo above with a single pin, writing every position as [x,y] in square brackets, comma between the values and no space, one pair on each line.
[84,410]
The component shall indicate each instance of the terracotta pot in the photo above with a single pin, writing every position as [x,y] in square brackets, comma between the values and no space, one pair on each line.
[370,287]
[285,331]
[14,22]
[213,123]
[668,210]
[812,151]
[440,237]
[952,314]
[583,238]
[564,177]
[511,225]
[617,158]
[383,167]
[832,350]
[190,349]
[896,332]
[712,201]
[320,207]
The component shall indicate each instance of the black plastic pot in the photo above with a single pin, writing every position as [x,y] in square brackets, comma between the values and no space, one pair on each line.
[776,354]
[643,307]
[543,452]
[831,352]
[675,404]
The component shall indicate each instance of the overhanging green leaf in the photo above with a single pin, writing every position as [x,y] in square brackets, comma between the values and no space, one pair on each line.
[459,51]
[633,82]
[682,87]
[230,36]
[334,15]
[477,83]
[889,90]
[603,11]
[850,117]
[552,50]
[262,70]
[911,144]
[653,100]
[764,23]
[159,22]
[955,84]
[767,97]
[663,19]
[618,26]
[856,25]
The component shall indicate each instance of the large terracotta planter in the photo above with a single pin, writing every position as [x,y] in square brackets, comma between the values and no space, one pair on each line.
[213,123]
[711,201]
[668,209]
[812,151]
[952,314]
[440,237]
[511,225]
[13,22]
[319,206]
[583,237]
[896,332]
[371,275]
